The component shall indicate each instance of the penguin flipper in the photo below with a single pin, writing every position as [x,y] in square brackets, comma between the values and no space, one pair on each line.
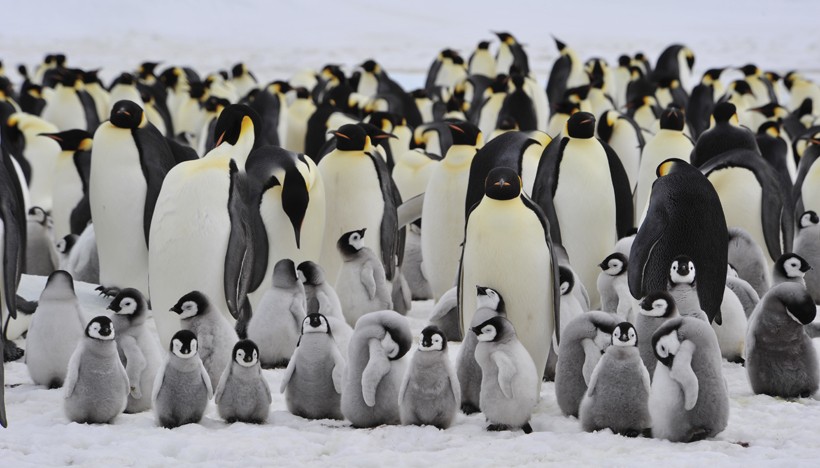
[239,258]
[506,372]
[593,380]
[624,209]
[368,279]
[220,387]
[650,233]
[405,381]
[288,372]
[156,160]
[392,240]
[135,362]
[682,373]
[207,379]
[645,379]
[338,369]
[377,367]
[455,387]
[3,419]
[158,381]
[591,357]
[72,373]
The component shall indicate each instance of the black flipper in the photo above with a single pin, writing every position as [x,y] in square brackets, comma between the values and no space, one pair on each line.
[156,159]
[239,256]
[623,193]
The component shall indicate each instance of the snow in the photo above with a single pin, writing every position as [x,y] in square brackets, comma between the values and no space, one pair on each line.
[277,39]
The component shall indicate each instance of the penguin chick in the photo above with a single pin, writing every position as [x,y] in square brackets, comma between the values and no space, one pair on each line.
[54,332]
[41,257]
[655,309]
[489,304]
[790,267]
[780,357]
[681,284]
[429,393]
[312,383]
[276,321]
[215,336]
[182,388]
[614,287]
[570,306]
[361,285]
[807,245]
[321,298]
[509,380]
[138,347]
[243,394]
[618,392]
[96,386]
[743,290]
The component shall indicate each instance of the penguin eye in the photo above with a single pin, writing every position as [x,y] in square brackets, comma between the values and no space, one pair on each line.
[631,333]
[255,355]
[662,352]
[240,354]
[691,266]
[436,339]
[61,245]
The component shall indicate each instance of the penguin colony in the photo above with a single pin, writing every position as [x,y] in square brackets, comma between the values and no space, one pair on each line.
[619,232]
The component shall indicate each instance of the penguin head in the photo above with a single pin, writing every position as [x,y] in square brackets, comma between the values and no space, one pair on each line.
[769,129]
[495,329]
[315,323]
[505,37]
[392,350]
[71,140]
[673,166]
[657,304]
[606,124]
[65,244]
[665,344]
[147,69]
[351,242]
[60,285]
[614,265]
[483,45]
[502,183]
[808,219]
[125,79]
[190,305]
[129,302]
[465,133]
[237,121]
[673,118]
[561,46]
[724,112]
[432,339]
[127,114]
[566,280]
[238,70]
[489,298]
[750,70]
[792,265]
[711,75]
[370,66]
[100,328]
[38,215]
[624,334]
[351,137]
[184,344]
[682,270]
[581,125]
[311,273]
[246,353]
[284,274]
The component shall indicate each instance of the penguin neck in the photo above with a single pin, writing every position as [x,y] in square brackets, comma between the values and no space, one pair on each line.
[494,204]
[101,348]
[459,156]
[190,364]
[414,159]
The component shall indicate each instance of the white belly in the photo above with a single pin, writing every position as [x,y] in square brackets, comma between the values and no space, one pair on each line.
[42,153]
[625,143]
[64,110]
[741,197]
[731,333]
[68,191]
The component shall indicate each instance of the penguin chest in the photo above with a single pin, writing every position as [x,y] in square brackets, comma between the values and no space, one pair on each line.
[67,193]
[64,109]
[741,197]
[625,143]
[810,190]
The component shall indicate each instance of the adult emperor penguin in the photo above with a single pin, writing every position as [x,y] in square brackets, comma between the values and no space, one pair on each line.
[68,106]
[129,161]
[567,72]
[507,247]
[313,380]
[138,347]
[674,63]
[510,54]
[624,136]
[41,152]
[375,369]
[724,136]
[55,331]
[201,234]
[807,245]
[429,393]
[442,230]
[581,182]
[583,342]
[96,385]
[481,61]
[655,309]
[182,388]
[780,357]
[618,390]
[243,394]
[509,378]
[70,208]
[684,217]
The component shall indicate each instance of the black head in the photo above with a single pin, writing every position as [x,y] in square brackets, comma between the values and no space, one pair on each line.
[483,45]
[581,125]
[284,274]
[91,76]
[245,353]
[351,242]
[673,118]
[672,166]
[125,79]
[505,37]
[71,140]
[235,121]
[67,243]
[809,218]
[495,329]
[624,61]
[184,344]
[370,66]
[502,183]
[432,339]
[464,133]
[351,137]
[792,265]
[615,264]
[316,323]
[192,304]
[724,112]
[741,87]
[559,44]
[682,270]
[566,280]
[126,114]
[238,70]
[147,69]
[129,303]
[624,334]
[750,69]
[489,298]
[377,136]
[658,304]
[37,215]
[100,328]
[302,93]
[769,128]
[312,272]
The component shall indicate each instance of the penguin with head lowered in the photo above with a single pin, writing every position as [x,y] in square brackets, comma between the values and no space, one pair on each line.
[655,309]
[243,394]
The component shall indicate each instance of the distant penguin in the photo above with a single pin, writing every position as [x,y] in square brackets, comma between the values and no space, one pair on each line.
[243,394]
[213,332]
[624,136]
[689,399]
[41,257]
[375,368]
[618,390]
[655,309]
[510,54]
[40,151]
[509,378]
[55,331]
[430,394]
[519,107]
[749,260]
[313,379]
[790,268]
[724,136]
[780,357]
[702,101]
[675,62]
[567,72]
[481,61]
[243,79]
[296,118]
[684,217]
[82,260]
[807,245]
[277,320]
[70,207]
[69,106]
[182,388]
[582,344]
[361,285]
[96,386]
[138,347]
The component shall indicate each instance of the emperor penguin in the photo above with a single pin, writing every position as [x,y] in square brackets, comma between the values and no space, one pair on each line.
[702,101]
[807,245]
[689,398]
[41,256]
[724,136]
[182,388]
[682,286]
[567,72]
[296,119]
[780,357]
[124,87]
[361,284]
[442,229]
[200,316]
[375,369]
[312,383]
[581,182]
[68,105]
[618,392]
[510,54]
[243,79]
[507,247]
[790,268]
[276,322]
[509,378]
[138,347]
[675,62]
[55,331]
[70,207]
[655,309]
[321,298]
[684,217]
[762,89]
[429,393]
[481,61]
[625,138]
[583,342]
[129,161]
[613,287]
[749,260]
[243,394]
[41,152]
[96,385]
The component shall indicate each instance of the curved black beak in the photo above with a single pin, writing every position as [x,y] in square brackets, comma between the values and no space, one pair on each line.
[295,200]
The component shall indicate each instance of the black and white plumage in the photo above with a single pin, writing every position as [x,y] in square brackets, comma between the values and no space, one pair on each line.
[682,286]
[790,268]
[430,393]
[243,394]
[655,309]
[362,285]
[182,388]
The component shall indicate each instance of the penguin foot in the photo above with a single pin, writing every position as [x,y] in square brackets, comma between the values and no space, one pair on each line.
[108,291]
[498,427]
[647,432]
[631,433]
[469,408]
[527,428]
[699,434]
[738,360]
[26,307]
[11,352]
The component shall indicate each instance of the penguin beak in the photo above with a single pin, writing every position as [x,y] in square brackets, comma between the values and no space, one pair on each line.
[341,135]
[805,267]
[220,139]
[114,308]
[295,200]
[476,330]
[176,309]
